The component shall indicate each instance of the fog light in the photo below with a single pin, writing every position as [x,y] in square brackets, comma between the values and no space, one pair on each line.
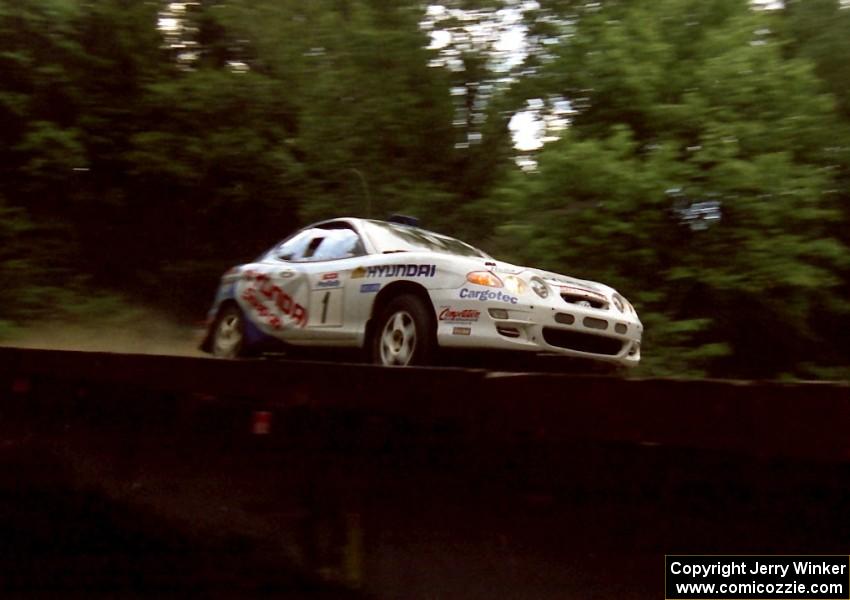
[539,286]
[498,313]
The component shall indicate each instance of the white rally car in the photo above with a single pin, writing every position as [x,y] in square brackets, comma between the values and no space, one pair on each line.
[401,293]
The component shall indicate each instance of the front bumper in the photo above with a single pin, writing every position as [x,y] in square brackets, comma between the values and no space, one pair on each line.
[549,326]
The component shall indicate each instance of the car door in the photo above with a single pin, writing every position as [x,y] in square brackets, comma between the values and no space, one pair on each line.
[328,261]
[314,281]
[298,292]
[274,291]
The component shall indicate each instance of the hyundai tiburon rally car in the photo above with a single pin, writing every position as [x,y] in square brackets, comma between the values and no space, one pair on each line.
[402,293]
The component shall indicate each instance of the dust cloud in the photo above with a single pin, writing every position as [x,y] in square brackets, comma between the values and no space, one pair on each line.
[144,332]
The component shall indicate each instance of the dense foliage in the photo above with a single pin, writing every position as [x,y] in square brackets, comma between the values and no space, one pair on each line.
[704,170]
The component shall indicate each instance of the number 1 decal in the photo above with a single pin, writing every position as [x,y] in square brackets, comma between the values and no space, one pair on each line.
[326,308]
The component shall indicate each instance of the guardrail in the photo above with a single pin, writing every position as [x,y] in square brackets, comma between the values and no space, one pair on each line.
[463,482]
[796,419]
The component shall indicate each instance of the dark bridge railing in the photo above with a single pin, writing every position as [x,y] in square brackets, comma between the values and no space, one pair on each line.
[458,483]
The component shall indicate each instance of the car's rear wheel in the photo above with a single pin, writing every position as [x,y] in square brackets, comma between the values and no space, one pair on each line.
[229,333]
[404,333]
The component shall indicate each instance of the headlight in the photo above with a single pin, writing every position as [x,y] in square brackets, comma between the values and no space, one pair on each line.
[623,305]
[484,278]
[619,302]
[540,288]
[515,285]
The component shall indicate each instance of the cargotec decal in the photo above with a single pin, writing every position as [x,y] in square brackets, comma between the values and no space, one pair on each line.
[487,295]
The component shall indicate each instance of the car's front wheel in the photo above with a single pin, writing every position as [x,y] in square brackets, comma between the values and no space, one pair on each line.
[404,333]
[229,333]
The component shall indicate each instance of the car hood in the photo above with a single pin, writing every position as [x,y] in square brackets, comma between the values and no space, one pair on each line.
[555,279]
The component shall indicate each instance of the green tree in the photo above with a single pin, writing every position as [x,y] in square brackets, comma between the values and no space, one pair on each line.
[374,126]
[218,162]
[695,96]
[820,31]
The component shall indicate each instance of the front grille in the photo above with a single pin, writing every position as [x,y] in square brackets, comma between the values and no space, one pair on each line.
[594,323]
[576,296]
[511,332]
[583,342]
[565,318]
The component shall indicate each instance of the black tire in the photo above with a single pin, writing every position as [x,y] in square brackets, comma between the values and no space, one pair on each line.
[228,335]
[404,333]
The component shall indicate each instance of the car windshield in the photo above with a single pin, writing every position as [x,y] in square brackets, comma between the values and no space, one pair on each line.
[393,237]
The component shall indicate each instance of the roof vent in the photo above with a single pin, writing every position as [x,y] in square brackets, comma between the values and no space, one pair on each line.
[404,220]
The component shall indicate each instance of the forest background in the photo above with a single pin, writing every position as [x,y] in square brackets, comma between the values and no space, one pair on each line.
[694,154]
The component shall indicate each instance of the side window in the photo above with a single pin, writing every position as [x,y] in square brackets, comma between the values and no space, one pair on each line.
[319,244]
[335,244]
[293,248]
[312,247]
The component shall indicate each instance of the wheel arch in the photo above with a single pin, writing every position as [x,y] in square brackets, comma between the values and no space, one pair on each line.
[387,294]
[206,345]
